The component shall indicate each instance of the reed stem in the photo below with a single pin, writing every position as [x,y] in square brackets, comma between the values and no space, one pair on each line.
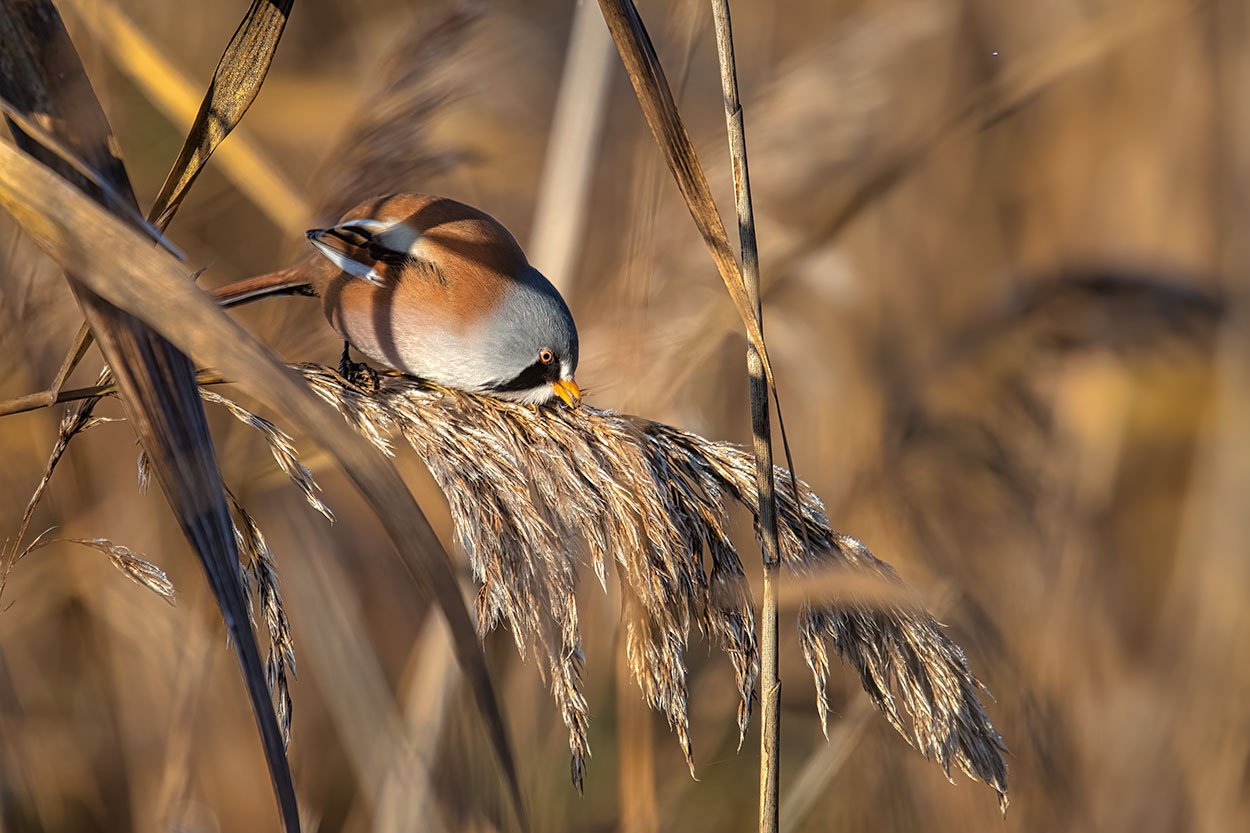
[770,680]
[48,398]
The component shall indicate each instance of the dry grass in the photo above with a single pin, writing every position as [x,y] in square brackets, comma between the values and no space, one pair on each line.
[1055,466]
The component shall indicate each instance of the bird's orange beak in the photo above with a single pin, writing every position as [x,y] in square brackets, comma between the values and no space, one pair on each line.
[568,390]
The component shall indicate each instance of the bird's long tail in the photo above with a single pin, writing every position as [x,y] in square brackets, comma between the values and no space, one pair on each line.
[291,281]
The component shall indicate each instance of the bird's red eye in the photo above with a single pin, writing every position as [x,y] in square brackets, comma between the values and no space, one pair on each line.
[546,356]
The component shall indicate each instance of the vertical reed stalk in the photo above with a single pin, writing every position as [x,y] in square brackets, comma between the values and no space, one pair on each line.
[576,126]
[770,680]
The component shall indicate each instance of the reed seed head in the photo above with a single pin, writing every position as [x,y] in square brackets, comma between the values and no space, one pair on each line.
[536,491]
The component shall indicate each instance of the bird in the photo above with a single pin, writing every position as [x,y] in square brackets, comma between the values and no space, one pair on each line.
[436,289]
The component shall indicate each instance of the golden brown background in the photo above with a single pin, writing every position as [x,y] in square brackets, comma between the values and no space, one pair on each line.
[1005,248]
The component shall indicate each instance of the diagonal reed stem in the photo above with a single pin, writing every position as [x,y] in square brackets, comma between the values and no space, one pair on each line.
[770,679]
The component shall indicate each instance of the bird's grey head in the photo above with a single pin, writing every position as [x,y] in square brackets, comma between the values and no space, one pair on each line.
[533,344]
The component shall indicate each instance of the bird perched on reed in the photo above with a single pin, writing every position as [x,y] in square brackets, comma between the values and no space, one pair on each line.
[437,289]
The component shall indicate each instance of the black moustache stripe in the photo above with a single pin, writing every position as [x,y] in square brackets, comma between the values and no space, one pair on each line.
[534,376]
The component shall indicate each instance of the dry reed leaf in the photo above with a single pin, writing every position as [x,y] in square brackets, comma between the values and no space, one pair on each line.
[660,110]
[125,269]
[241,71]
[242,161]
[235,85]
[119,202]
[43,76]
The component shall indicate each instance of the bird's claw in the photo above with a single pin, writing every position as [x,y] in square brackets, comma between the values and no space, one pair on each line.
[361,375]
[358,373]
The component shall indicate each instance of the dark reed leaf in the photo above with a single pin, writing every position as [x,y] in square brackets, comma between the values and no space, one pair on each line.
[42,74]
[120,203]
[123,267]
[235,85]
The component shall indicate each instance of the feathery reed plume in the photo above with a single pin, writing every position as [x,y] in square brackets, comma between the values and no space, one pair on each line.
[133,566]
[257,569]
[533,491]
[900,651]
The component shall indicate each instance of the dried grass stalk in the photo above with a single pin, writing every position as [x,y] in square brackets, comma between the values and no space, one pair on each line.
[282,449]
[259,574]
[75,420]
[535,491]
[132,565]
[257,568]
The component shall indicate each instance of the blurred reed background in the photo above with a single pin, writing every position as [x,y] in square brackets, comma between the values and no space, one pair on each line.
[1004,284]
